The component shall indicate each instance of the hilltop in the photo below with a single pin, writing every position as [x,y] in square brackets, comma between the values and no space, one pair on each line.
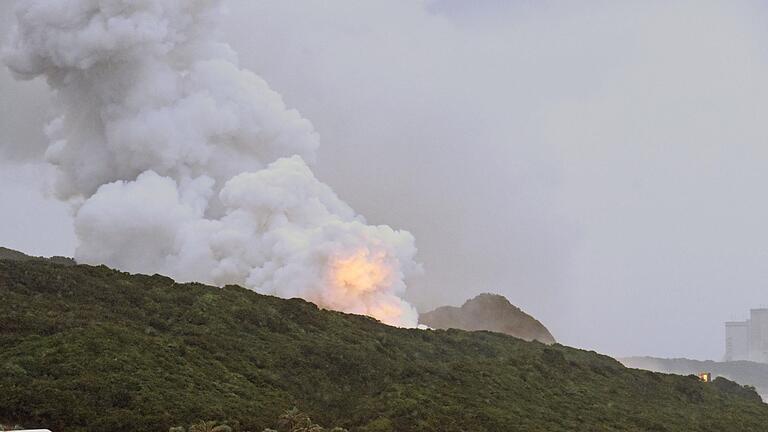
[94,349]
[743,372]
[14,255]
[492,312]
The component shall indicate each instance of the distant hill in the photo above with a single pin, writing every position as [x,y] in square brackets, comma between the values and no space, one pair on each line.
[92,349]
[490,312]
[10,254]
[743,372]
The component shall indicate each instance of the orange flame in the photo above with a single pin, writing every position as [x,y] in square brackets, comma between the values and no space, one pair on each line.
[359,273]
[360,283]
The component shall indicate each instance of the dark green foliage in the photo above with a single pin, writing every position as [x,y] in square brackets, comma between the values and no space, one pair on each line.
[294,420]
[10,254]
[726,386]
[291,420]
[92,349]
[205,426]
[743,372]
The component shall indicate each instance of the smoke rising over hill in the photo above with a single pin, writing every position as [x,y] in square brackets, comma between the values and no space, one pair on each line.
[177,161]
[591,161]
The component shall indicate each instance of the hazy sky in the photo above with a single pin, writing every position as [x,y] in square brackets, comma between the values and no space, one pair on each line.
[601,164]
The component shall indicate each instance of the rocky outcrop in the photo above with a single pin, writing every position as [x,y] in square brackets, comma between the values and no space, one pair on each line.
[490,312]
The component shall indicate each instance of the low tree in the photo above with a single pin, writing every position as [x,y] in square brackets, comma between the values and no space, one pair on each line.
[203,426]
[294,420]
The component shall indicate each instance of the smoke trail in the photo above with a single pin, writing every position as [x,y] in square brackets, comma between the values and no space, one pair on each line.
[179,162]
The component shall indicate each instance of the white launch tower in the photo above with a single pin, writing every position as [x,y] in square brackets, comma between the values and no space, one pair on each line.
[748,340]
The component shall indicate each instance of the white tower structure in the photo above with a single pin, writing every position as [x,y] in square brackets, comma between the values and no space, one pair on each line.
[736,340]
[748,340]
[758,335]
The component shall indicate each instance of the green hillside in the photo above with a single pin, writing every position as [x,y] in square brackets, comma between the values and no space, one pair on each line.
[89,348]
[744,372]
[13,255]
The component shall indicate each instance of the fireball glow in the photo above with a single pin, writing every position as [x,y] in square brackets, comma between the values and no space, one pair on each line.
[361,282]
[360,273]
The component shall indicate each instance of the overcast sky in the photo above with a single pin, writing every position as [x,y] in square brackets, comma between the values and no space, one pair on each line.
[602,164]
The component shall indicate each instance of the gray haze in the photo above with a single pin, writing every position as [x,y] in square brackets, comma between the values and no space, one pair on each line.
[599,164]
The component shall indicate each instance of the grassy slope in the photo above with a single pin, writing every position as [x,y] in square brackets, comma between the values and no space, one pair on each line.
[89,348]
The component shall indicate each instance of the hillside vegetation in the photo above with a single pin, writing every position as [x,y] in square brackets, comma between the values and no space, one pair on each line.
[492,312]
[14,255]
[93,349]
[743,372]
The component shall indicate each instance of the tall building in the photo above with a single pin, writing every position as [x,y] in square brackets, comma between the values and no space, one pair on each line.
[758,335]
[737,340]
[748,340]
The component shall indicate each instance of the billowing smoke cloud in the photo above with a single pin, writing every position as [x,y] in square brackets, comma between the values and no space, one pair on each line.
[179,162]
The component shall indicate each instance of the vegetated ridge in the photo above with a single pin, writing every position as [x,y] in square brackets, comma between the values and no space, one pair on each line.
[93,349]
[492,312]
[14,255]
[744,372]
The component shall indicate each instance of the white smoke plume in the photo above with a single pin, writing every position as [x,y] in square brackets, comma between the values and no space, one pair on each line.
[179,162]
